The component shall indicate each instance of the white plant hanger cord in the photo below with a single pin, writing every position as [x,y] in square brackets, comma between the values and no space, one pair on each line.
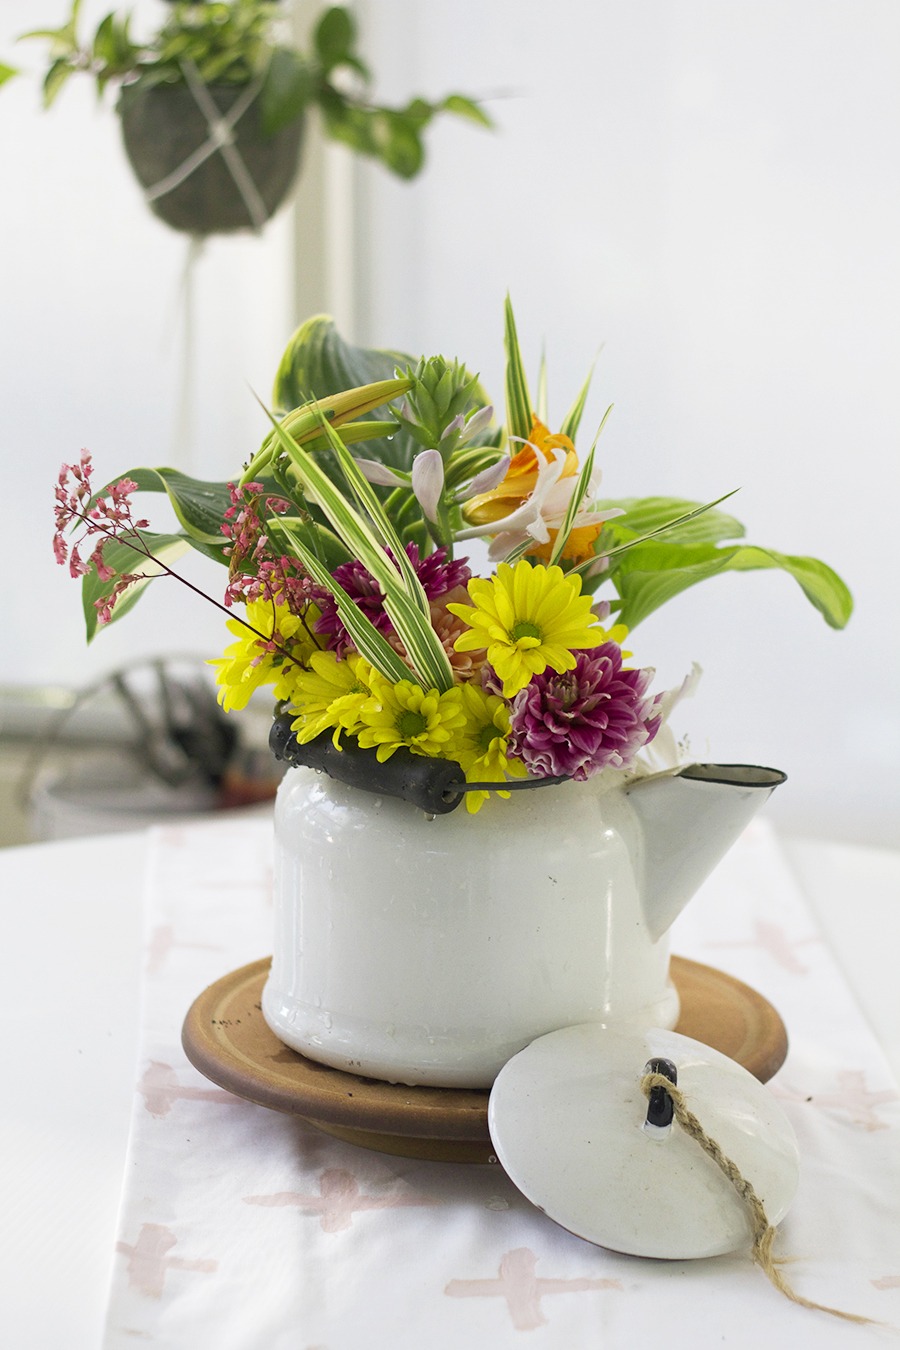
[186,303]
[221,137]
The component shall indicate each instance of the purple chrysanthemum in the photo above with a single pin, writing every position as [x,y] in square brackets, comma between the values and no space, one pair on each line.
[577,723]
[437,575]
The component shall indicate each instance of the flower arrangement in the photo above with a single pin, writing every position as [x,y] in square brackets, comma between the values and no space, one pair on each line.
[346,599]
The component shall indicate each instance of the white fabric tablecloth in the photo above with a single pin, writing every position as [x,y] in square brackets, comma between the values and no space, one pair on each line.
[244,1229]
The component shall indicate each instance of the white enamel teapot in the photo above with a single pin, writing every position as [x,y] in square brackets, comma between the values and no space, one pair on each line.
[430,948]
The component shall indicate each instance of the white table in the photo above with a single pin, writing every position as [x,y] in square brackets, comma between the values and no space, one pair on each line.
[71,1036]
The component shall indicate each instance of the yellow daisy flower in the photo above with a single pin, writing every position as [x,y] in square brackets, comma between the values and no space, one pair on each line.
[480,747]
[329,696]
[250,663]
[528,618]
[423,720]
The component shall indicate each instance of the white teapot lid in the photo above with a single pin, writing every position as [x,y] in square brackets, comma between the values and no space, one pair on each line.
[568,1121]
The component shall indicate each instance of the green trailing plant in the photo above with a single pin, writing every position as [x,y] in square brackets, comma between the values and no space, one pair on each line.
[238,43]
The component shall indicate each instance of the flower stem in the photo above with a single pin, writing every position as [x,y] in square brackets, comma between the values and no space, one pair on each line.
[140,547]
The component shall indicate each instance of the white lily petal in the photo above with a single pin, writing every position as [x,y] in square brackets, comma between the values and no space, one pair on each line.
[428,481]
[381,475]
[538,530]
[502,544]
[667,701]
[529,511]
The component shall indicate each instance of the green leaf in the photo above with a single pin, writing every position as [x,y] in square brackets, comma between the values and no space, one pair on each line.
[55,78]
[353,433]
[321,542]
[371,506]
[398,141]
[64,38]
[820,584]
[466,107]
[305,423]
[572,419]
[334,37]
[651,574]
[7,72]
[287,91]
[644,515]
[200,506]
[405,600]
[165,547]
[575,501]
[106,47]
[668,527]
[518,399]
[317,362]
[542,402]
[368,641]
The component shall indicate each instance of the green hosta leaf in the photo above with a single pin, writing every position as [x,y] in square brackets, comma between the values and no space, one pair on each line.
[317,362]
[650,574]
[820,584]
[165,547]
[518,399]
[643,515]
[200,506]
[669,527]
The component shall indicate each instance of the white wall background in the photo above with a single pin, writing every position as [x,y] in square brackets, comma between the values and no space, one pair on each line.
[709,188]
[95,352]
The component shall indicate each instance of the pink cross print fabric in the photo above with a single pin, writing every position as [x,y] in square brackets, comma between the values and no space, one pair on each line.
[244,1229]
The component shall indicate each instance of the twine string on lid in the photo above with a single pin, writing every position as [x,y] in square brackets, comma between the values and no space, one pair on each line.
[764,1232]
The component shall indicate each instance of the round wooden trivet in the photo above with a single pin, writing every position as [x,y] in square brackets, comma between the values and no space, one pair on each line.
[226,1037]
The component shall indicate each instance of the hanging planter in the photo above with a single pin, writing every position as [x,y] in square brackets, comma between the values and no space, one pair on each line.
[213,106]
[209,169]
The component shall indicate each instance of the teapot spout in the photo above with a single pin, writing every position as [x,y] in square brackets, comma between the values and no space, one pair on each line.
[689,820]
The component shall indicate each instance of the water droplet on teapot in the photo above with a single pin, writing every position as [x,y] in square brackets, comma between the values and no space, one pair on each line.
[496,1201]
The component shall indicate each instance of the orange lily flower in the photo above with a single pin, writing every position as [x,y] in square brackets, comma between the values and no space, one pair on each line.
[519,484]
